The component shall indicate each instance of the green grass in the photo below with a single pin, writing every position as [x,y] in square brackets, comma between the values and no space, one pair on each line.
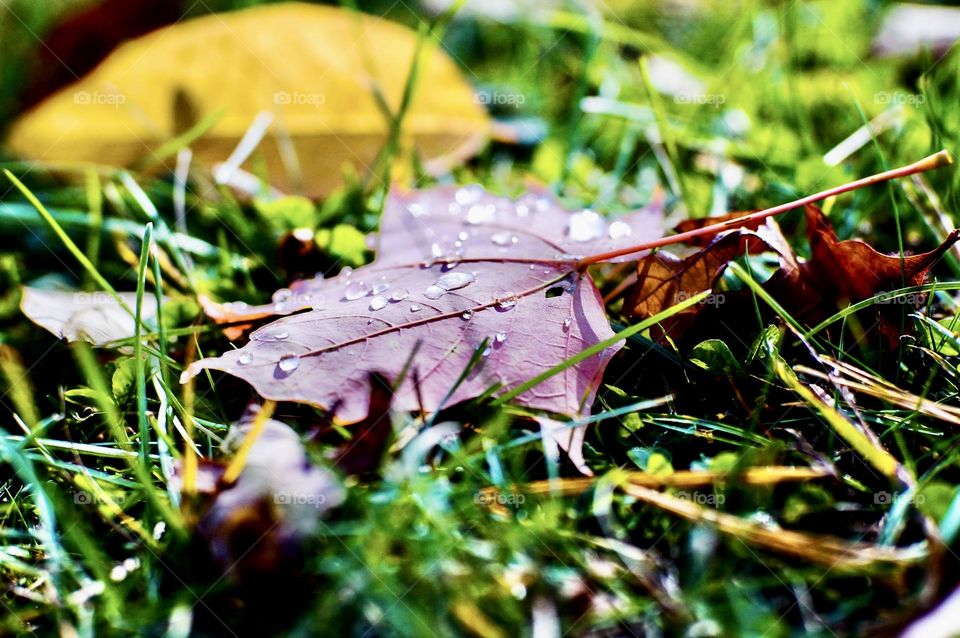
[96,537]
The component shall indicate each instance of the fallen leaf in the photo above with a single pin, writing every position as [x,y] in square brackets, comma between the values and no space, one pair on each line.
[665,279]
[940,622]
[255,525]
[465,275]
[363,453]
[306,66]
[84,37]
[839,273]
[910,29]
[569,439]
[94,317]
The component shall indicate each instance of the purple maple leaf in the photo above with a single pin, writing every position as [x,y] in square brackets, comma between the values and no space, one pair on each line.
[460,275]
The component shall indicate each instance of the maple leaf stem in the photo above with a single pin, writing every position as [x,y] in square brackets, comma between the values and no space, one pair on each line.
[937,160]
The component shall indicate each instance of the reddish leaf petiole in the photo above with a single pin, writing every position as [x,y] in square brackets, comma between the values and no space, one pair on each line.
[936,160]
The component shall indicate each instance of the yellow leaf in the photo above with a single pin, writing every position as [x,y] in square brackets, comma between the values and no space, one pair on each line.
[310,69]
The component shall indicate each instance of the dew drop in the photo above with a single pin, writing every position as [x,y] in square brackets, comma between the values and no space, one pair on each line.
[481,214]
[463,235]
[346,271]
[416,308]
[504,238]
[378,303]
[486,351]
[279,335]
[380,284]
[356,290]
[282,295]
[279,307]
[450,265]
[399,295]
[522,210]
[416,210]
[500,337]
[506,303]
[245,359]
[467,315]
[454,281]
[586,225]
[436,250]
[567,323]
[619,230]
[467,195]
[317,302]
[289,362]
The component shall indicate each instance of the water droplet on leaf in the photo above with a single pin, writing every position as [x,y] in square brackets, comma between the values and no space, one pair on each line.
[356,290]
[245,358]
[416,210]
[481,214]
[380,284]
[504,238]
[455,280]
[586,225]
[416,308]
[500,337]
[378,303]
[399,295]
[467,315]
[469,194]
[289,362]
[619,230]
